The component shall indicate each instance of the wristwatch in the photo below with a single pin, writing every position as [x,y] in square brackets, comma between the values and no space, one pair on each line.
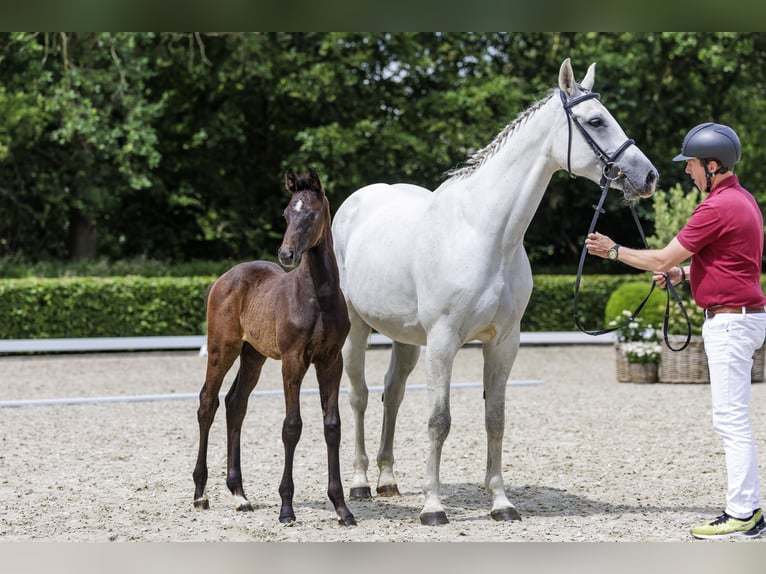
[612,253]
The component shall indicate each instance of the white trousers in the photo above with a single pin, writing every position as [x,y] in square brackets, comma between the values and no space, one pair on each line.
[730,341]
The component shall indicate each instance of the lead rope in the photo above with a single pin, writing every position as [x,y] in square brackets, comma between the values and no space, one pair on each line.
[609,176]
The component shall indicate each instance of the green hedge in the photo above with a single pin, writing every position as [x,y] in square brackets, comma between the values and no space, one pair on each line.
[551,307]
[132,306]
[102,307]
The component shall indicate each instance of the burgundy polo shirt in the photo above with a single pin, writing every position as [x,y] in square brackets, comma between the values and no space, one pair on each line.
[725,233]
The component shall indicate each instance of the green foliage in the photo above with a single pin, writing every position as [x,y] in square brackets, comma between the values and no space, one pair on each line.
[172,146]
[628,296]
[102,307]
[551,306]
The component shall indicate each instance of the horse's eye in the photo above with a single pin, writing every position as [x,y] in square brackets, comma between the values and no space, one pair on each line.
[596,122]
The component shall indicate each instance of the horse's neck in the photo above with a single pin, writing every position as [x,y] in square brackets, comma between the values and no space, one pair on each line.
[321,269]
[502,195]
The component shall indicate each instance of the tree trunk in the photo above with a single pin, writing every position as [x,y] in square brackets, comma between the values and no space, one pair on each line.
[82,237]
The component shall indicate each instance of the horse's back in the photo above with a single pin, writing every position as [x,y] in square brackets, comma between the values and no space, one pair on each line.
[241,302]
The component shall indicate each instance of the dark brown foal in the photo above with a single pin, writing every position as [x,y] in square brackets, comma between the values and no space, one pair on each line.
[256,311]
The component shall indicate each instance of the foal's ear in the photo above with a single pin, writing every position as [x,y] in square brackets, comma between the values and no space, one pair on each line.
[314,184]
[290,180]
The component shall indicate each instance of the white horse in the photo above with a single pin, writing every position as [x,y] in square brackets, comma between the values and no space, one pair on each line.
[439,269]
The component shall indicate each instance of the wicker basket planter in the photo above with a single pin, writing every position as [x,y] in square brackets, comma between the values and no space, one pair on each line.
[634,372]
[690,365]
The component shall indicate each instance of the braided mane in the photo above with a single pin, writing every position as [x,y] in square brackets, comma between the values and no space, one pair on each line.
[478,158]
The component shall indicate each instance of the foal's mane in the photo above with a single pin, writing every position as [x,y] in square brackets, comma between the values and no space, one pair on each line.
[478,158]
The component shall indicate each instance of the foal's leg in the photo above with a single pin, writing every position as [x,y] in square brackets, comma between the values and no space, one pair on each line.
[403,361]
[442,347]
[353,359]
[251,362]
[219,360]
[498,360]
[328,375]
[294,368]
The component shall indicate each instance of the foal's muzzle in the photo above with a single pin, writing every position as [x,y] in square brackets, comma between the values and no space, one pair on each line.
[288,257]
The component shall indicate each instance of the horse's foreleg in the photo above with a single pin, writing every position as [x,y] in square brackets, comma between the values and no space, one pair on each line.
[403,361]
[440,356]
[328,376]
[353,359]
[498,360]
[250,366]
[293,371]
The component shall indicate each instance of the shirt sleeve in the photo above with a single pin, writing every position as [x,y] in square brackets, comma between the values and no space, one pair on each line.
[703,227]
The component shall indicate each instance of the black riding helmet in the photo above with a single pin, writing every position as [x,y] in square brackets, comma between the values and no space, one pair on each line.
[711,141]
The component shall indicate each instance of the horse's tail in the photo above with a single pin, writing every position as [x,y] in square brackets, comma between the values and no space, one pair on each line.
[203,348]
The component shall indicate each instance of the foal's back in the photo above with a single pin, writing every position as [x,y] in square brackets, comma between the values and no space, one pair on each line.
[244,305]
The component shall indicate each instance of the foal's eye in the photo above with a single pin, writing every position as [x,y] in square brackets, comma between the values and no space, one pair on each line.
[596,122]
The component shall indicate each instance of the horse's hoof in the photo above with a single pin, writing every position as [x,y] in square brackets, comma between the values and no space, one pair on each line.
[289,519]
[434,518]
[202,503]
[388,490]
[348,521]
[360,493]
[245,507]
[505,514]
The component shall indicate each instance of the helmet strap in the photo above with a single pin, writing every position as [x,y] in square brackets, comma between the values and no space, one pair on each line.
[709,174]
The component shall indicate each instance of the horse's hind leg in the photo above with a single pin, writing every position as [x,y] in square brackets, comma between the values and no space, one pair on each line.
[498,360]
[251,362]
[403,361]
[353,360]
[219,361]
[328,376]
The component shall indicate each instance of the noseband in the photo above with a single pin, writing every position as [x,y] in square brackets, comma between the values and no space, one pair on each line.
[610,172]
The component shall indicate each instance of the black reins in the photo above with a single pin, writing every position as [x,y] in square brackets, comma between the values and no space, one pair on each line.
[611,172]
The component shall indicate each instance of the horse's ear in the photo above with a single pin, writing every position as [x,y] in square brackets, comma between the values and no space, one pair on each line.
[590,77]
[566,78]
[314,183]
[290,180]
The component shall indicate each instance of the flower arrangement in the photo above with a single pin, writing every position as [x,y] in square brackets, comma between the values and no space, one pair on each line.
[639,341]
[642,352]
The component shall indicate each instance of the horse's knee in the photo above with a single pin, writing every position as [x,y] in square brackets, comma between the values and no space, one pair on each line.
[291,430]
[332,431]
[439,426]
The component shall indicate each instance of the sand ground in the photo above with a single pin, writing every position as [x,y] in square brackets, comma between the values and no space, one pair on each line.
[586,458]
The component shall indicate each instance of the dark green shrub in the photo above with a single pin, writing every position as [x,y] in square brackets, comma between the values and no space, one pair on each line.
[551,306]
[629,295]
[102,307]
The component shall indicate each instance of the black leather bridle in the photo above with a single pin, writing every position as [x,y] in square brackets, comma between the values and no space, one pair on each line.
[610,172]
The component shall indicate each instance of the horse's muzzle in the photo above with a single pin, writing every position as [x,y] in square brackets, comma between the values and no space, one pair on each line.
[288,257]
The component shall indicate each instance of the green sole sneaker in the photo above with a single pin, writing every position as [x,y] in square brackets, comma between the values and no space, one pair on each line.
[726,526]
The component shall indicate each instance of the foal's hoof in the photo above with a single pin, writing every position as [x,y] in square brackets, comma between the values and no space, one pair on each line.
[505,514]
[360,493]
[388,490]
[202,503]
[434,518]
[348,521]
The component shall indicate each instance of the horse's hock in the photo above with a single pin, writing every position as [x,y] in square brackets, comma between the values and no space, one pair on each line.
[690,365]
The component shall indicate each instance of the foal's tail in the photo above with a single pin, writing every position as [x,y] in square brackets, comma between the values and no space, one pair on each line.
[203,348]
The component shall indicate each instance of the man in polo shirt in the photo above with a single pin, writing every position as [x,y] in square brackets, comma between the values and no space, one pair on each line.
[724,239]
